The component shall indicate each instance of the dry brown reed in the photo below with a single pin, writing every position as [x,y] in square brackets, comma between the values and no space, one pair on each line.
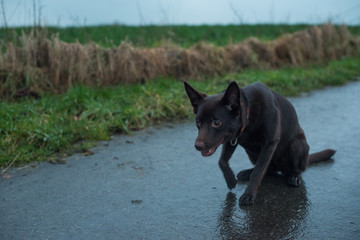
[37,64]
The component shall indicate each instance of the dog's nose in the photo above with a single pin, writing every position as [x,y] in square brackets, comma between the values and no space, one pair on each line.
[199,145]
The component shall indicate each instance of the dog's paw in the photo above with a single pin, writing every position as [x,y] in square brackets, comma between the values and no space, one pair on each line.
[244,175]
[246,200]
[231,183]
[294,181]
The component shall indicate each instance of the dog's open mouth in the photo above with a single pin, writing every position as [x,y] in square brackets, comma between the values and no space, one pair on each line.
[209,152]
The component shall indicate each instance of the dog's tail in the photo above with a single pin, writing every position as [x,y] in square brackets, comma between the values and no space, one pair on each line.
[321,156]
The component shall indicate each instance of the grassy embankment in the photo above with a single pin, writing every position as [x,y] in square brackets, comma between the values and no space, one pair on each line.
[48,127]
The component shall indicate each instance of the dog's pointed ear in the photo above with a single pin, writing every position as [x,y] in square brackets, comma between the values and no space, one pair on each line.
[231,98]
[194,96]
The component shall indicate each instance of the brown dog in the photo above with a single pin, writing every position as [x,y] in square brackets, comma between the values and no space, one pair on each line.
[264,123]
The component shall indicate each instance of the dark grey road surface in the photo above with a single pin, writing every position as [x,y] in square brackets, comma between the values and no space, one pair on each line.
[155,185]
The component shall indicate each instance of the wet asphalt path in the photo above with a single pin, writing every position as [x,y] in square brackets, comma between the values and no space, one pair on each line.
[155,185]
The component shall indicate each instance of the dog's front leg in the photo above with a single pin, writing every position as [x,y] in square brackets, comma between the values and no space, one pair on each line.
[258,173]
[227,151]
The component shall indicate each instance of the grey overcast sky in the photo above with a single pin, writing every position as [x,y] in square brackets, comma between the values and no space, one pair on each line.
[191,12]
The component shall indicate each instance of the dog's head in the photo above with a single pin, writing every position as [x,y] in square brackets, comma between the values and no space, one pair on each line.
[217,117]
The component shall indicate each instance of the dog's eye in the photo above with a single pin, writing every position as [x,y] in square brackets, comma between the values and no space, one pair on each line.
[216,123]
[197,121]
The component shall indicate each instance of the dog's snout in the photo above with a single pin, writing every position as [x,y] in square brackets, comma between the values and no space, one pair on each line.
[199,145]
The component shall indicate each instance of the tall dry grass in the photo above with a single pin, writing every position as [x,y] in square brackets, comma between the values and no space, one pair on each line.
[36,64]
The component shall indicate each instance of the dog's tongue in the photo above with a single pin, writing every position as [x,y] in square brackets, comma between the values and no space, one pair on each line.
[208,153]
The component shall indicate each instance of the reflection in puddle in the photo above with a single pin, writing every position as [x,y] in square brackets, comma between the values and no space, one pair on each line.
[279,213]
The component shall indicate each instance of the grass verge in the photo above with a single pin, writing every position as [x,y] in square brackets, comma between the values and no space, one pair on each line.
[48,128]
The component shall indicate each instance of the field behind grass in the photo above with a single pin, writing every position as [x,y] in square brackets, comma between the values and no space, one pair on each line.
[54,125]
[154,36]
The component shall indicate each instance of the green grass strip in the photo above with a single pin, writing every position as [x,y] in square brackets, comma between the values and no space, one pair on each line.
[154,36]
[47,128]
